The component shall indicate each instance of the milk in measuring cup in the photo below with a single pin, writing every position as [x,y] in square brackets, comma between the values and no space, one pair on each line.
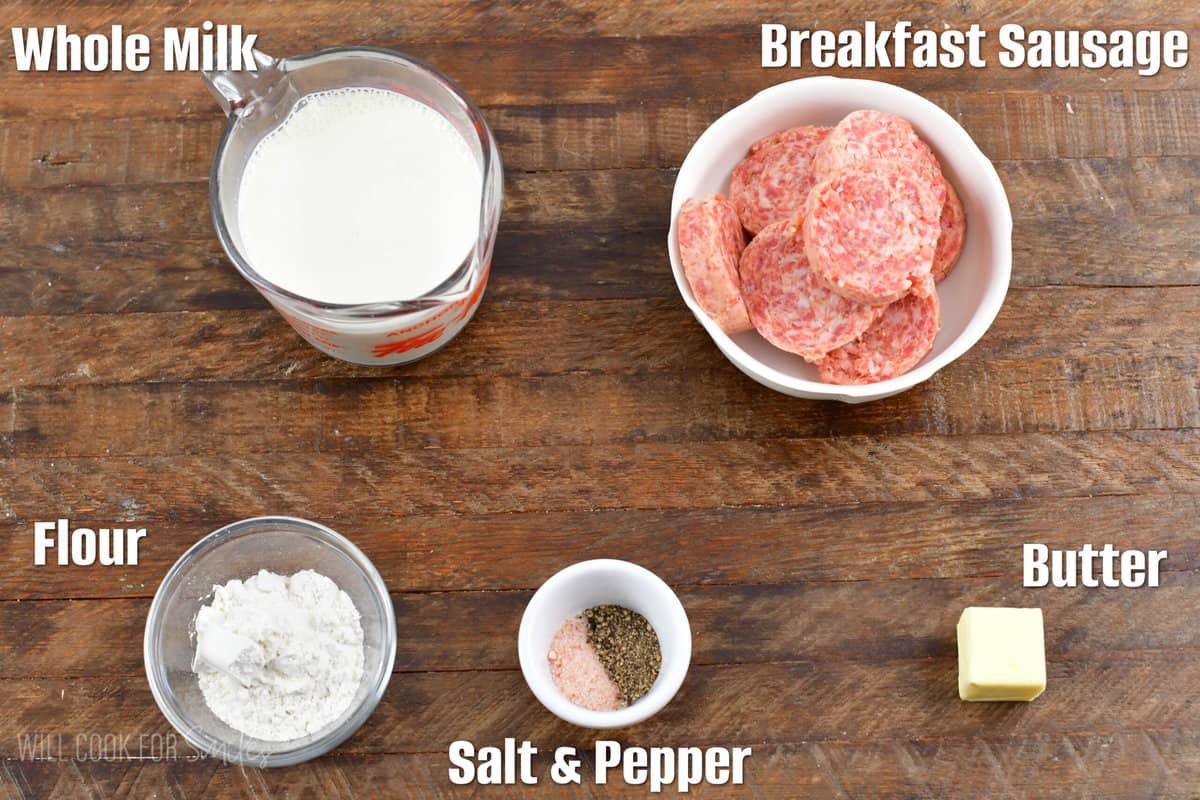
[360,196]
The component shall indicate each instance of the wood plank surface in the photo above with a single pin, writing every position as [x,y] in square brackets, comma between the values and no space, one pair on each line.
[632,199]
[1007,125]
[147,276]
[823,552]
[523,72]
[434,20]
[807,472]
[731,624]
[355,415]
[507,551]
[1106,767]
[730,704]
[539,337]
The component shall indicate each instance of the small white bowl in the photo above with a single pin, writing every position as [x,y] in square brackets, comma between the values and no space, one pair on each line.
[972,294]
[600,582]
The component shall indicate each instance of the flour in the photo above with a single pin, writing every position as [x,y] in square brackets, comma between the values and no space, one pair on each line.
[277,657]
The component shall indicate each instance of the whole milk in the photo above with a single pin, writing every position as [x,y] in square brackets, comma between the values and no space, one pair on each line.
[360,196]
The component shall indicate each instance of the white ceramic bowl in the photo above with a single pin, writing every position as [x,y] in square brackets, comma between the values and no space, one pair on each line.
[972,294]
[600,582]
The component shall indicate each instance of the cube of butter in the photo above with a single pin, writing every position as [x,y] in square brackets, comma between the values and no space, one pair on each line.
[1001,654]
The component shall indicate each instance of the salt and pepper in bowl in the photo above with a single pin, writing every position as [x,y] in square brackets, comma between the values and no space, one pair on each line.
[598,586]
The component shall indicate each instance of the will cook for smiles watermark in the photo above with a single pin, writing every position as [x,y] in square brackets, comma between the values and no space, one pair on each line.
[98,746]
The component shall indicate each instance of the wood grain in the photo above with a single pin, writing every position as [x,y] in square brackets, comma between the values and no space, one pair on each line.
[606,199]
[304,416]
[1007,125]
[822,551]
[423,712]
[569,336]
[146,276]
[1110,767]
[575,71]
[891,620]
[507,551]
[804,472]
[433,20]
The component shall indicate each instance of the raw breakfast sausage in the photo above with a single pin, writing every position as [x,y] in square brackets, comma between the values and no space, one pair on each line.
[953,224]
[789,307]
[851,228]
[894,344]
[869,135]
[871,231]
[773,181]
[711,241]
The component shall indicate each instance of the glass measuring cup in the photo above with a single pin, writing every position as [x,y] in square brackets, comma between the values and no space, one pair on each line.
[390,330]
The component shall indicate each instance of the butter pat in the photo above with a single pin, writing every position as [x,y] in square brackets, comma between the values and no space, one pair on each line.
[1001,654]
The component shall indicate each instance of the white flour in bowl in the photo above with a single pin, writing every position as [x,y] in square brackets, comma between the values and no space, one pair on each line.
[279,657]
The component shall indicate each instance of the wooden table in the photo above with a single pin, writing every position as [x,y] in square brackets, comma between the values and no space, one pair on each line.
[823,551]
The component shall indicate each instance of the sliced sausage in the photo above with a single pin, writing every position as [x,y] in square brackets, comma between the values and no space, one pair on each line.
[711,241]
[871,231]
[953,226]
[788,305]
[787,135]
[894,344]
[870,135]
[774,180]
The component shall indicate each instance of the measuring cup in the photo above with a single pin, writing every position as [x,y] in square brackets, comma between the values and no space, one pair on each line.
[392,330]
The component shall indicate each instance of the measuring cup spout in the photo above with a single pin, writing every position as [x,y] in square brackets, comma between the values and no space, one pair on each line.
[234,89]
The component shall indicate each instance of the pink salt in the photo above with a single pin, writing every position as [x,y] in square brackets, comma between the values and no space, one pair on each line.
[577,670]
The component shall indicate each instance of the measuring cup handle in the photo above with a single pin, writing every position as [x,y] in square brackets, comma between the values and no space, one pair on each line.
[234,89]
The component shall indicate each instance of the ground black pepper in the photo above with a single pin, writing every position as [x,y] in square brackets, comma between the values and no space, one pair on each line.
[627,646]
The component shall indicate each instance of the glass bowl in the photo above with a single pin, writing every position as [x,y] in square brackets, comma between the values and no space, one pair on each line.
[284,545]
